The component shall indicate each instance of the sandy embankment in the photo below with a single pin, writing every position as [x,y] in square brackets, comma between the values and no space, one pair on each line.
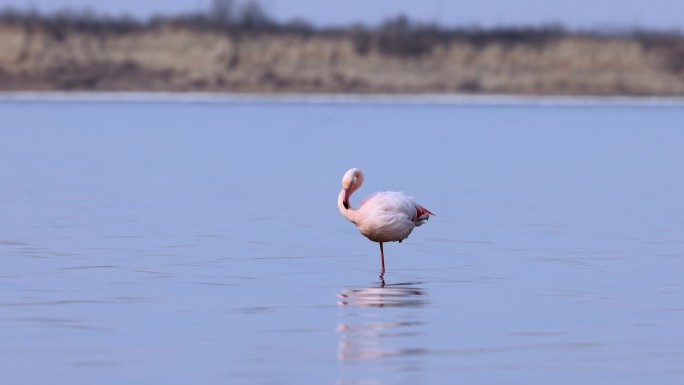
[182,59]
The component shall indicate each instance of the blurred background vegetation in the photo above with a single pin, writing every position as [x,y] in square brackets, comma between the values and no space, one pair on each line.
[236,46]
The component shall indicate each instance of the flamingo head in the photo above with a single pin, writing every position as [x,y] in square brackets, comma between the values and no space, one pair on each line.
[351,181]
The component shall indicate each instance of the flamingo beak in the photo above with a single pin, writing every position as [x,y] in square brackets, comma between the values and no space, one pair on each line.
[345,202]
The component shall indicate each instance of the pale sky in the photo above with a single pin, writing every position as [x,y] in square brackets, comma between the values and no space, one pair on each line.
[660,14]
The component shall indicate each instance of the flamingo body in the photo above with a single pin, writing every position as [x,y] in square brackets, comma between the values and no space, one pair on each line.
[388,216]
[381,217]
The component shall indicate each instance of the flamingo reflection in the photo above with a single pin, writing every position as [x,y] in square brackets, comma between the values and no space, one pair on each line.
[366,333]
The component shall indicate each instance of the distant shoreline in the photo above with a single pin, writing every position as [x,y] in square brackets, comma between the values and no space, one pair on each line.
[396,58]
[338,99]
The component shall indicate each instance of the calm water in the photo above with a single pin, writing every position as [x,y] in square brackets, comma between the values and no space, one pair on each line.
[177,242]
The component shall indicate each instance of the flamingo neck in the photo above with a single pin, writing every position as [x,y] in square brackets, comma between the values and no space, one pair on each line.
[349,213]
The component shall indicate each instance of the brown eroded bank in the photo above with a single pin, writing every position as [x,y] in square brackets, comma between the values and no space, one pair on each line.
[181,58]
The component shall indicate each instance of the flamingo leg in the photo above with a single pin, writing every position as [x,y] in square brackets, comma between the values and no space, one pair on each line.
[382,259]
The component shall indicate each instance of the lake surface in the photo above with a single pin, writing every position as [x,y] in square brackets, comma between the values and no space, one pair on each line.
[184,240]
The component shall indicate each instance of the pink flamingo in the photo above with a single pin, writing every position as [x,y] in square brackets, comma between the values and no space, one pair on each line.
[382,217]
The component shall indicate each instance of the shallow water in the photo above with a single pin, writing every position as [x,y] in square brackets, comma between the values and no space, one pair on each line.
[173,242]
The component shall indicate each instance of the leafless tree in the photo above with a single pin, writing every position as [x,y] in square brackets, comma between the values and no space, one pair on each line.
[222,12]
[253,15]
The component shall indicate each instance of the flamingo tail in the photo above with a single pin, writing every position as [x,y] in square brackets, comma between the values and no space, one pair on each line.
[422,211]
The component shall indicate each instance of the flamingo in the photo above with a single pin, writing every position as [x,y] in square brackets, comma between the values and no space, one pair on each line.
[386,216]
